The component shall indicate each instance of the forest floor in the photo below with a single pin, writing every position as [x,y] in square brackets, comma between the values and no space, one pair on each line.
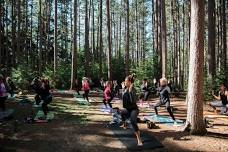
[81,128]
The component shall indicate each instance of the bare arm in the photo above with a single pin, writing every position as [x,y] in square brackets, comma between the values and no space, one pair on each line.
[216,97]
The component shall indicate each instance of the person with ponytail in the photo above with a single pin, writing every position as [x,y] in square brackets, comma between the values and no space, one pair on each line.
[130,107]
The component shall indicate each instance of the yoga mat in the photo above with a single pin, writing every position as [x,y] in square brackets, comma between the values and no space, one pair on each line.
[50,115]
[6,114]
[163,119]
[127,137]
[105,109]
[143,105]
[25,101]
[82,101]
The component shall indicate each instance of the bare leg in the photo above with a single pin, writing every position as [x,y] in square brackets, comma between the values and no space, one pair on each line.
[139,140]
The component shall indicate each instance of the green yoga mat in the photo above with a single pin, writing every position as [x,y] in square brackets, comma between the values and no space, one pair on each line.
[40,114]
[82,101]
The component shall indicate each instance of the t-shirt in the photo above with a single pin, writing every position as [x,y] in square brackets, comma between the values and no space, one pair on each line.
[107,93]
[223,99]
[85,86]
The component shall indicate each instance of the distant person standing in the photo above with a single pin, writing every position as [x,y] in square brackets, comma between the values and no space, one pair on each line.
[144,90]
[85,88]
[3,94]
[116,89]
[108,95]
[77,86]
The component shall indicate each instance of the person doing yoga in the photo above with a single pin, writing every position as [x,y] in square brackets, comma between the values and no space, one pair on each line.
[130,107]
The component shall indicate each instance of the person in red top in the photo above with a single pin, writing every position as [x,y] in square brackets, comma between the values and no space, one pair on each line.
[85,88]
[108,95]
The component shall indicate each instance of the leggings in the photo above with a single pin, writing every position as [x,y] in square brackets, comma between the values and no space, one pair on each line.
[46,101]
[2,103]
[133,114]
[167,105]
[107,102]
[86,95]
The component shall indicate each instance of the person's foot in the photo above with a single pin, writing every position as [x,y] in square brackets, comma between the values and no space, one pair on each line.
[140,143]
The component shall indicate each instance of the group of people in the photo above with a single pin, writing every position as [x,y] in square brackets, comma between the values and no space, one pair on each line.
[6,87]
[130,101]
[130,109]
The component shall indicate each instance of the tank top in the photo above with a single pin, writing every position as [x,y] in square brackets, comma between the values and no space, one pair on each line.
[223,98]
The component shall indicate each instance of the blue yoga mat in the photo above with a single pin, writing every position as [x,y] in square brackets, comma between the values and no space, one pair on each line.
[163,119]
[106,109]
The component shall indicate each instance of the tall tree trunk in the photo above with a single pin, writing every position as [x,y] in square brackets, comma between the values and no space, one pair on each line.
[55,39]
[86,47]
[1,34]
[101,39]
[211,39]
[164,40]
[127,40]
[120,35]
[18,30]
[40,22]
[93,29]
[74,50]
[195,83]
[109,41]
[224,38]
[31,35]
[13,34]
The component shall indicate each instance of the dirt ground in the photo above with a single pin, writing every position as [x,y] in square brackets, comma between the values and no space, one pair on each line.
[81,128]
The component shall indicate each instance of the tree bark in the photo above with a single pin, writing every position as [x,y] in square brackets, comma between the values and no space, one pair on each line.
[164,40]
[109,41]
[18,30]
[211,39]
[101,39]
[86,47]
[55,39]
[195,84]
[127,70]
[74,50]
[224,38]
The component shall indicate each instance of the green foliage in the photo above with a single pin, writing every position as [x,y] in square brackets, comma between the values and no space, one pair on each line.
[23,75]
[214,84]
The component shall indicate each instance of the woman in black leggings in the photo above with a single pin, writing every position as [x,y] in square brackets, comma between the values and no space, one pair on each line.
[45,95]
[164,97]
[131,109]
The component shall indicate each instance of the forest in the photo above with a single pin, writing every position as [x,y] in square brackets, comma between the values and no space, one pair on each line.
[65,39]
[170,55]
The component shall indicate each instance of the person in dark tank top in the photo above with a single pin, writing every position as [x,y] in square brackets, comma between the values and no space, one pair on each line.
[221,100]
[130,107]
